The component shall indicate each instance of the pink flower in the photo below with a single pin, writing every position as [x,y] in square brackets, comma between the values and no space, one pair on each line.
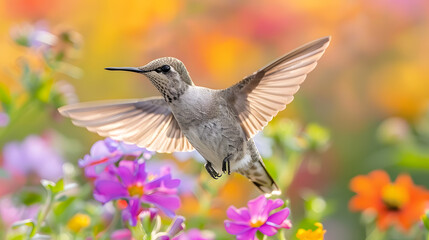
[247,221]
[130,181]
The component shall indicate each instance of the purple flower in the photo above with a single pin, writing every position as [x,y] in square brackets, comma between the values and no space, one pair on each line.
[108,151]
[131,181]
[195,234]
[33,155]
[247,221]
[36,36]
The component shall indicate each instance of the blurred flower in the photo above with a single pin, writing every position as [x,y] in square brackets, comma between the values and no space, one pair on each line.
[63,93]
[173,230]
[4,119]
[34,36]
[393,130]
[10,212]
[33,155]
[131,181]
[401,203]
[317,234]
[247,221]
[108,151]
[195,234]
[78,222]
[121,234]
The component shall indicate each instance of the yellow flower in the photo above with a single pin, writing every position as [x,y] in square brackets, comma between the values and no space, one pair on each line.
[317,234]
[78,222]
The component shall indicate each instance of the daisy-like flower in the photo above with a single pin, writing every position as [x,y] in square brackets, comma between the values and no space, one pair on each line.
[401,202]
[245,222]
[108,151]
[130,181]
[317,234]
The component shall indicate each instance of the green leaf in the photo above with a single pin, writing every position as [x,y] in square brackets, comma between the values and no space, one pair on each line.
[52,187]
[30,196]
[59,186]
[62,206]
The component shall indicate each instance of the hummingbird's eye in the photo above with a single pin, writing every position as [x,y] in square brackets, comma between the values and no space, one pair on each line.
[165,68]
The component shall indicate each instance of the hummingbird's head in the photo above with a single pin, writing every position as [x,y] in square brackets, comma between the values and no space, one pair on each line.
[168,74]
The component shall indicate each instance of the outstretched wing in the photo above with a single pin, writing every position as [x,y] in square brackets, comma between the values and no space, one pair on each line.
[148,123]
[260,96]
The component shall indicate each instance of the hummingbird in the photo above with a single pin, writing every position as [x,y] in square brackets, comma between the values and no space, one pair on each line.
[219,124]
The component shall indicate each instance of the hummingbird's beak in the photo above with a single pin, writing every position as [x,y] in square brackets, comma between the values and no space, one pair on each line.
[129,69]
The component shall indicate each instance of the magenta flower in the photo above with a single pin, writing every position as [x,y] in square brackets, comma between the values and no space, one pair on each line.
[247,221]
[131,181]
[108,151]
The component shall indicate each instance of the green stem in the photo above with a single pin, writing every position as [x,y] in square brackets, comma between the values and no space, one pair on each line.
[47,208]
[282,235]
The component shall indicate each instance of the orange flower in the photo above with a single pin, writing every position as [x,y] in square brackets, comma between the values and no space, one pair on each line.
[401,203]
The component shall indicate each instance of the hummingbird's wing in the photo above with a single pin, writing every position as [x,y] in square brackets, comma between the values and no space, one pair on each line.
[148,122]
[260,96]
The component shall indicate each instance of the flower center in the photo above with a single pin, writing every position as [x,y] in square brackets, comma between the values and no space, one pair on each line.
[255,223]
[136,190]
[394,196]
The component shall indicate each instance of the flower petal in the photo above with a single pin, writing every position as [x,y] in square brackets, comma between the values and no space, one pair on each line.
[236,228]
[279,217]
[126,175]
[167,203]
[241,214]
[268,230]
[257,206]
[249,235]
[106,190]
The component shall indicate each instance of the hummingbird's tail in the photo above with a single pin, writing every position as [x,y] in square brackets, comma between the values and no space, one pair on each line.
[256,173]
[262,179]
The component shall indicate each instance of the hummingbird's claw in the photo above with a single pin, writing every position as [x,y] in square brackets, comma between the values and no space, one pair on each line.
[212,171]
[226,165]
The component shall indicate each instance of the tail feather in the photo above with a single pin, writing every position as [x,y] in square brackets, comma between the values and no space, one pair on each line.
[257,174]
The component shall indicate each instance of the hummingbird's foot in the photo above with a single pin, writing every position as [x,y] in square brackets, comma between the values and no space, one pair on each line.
[212,171]
[226,165]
